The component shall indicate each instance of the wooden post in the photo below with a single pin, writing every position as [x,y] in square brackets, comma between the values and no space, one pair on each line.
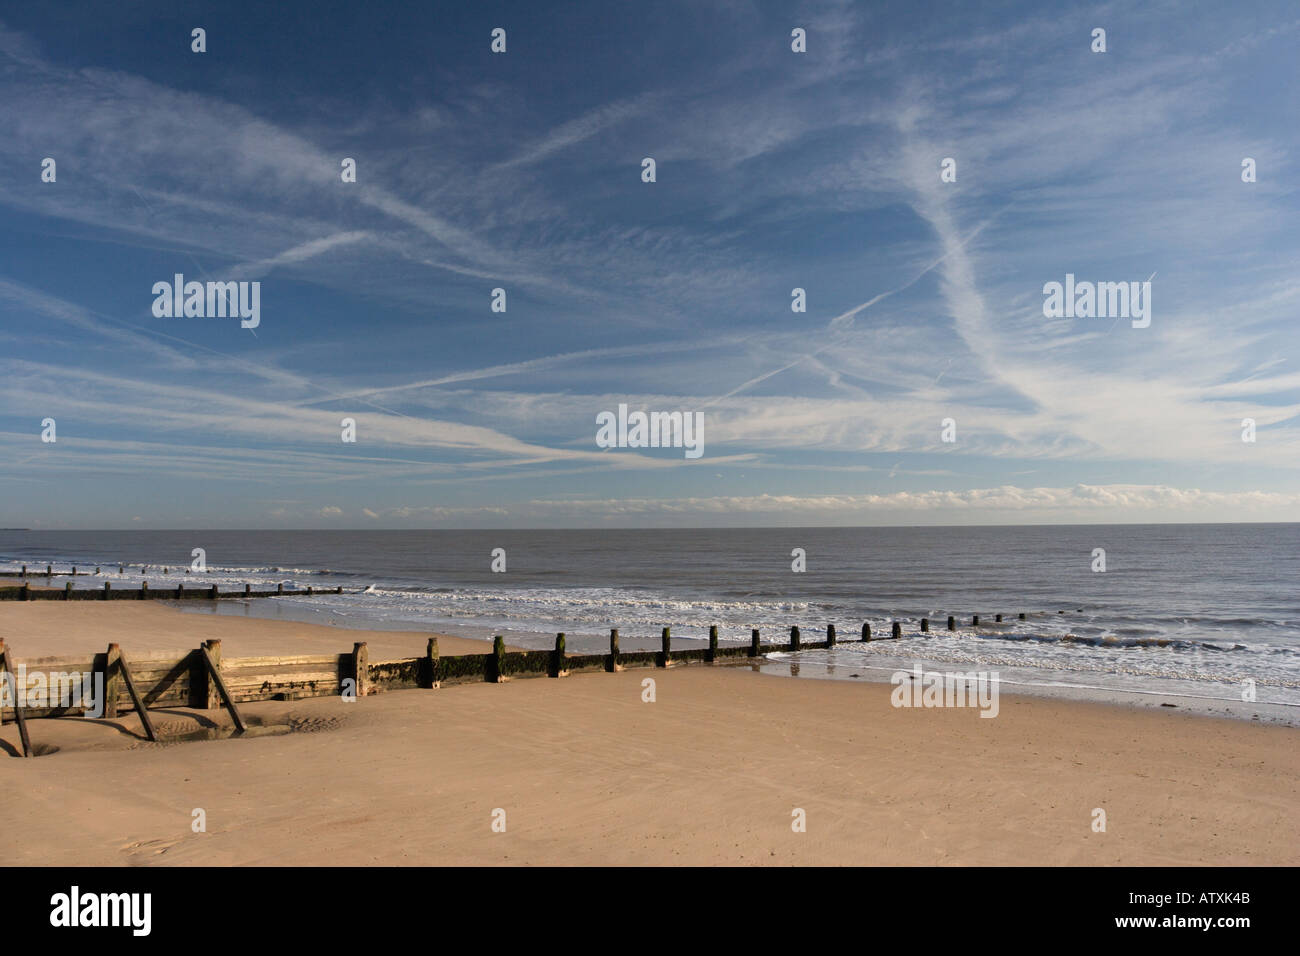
[997,619]
[215,672]
[361,668]
[612,665]
[925,625]
[74,570]
[712,654]
[212,594]
[753,642]
[895,630]
[67,591]
[1022,615]
[310,590]
[279,588]
[666,648]
[248,589]
[49,570]
[557,658]
[26,591]
[497,665]
[108,586]
[866,632]
[144,590]
[975,620]
[180,591]
[112,680]
[24,570]
[210,696]
[952,623]
[830,635]
[96,569]
[794,638]
[135,696]
[6,666]
[431,663]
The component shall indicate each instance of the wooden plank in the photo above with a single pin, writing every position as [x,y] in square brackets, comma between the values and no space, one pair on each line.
[135,696]
[19,718]
[329,660]
[221,688]
[277,680]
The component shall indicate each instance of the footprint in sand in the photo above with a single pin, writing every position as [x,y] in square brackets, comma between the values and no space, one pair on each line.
[310,725]
[148,847]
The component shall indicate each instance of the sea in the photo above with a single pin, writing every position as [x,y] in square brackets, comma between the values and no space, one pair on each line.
[1200,616]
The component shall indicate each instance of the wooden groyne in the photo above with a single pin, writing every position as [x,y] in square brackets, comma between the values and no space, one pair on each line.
[25,592]
[49,572]
[203,679]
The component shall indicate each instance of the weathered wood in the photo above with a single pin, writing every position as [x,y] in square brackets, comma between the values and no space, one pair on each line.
[713,644]
[794,638]
[361,668]
[1022,615]
[497,665]
[215,674]
[753,642]
[997,619]
[830,635]
[665,648]
[558,666]
[895,630]
[6,666]
[112,681]
[431,664]
[311,659]
[925,625]
[975,620]
[135,695]
[952,623]
[248,679]
[211,692]
[612,665]
[866,631]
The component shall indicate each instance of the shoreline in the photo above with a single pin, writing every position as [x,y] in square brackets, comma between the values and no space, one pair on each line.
[303,628]
[1283,713]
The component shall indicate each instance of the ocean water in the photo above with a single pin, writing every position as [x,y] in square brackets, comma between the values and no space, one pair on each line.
[1181,611]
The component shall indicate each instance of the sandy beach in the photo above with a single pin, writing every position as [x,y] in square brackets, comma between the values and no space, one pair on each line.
[586,772]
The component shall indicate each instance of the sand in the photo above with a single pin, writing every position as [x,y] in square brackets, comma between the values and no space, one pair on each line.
[588,773]
[44,628]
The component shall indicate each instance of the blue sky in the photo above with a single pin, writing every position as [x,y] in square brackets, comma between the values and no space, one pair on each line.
[522,171]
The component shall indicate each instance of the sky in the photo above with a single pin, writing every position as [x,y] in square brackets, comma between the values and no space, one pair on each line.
[522,170]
